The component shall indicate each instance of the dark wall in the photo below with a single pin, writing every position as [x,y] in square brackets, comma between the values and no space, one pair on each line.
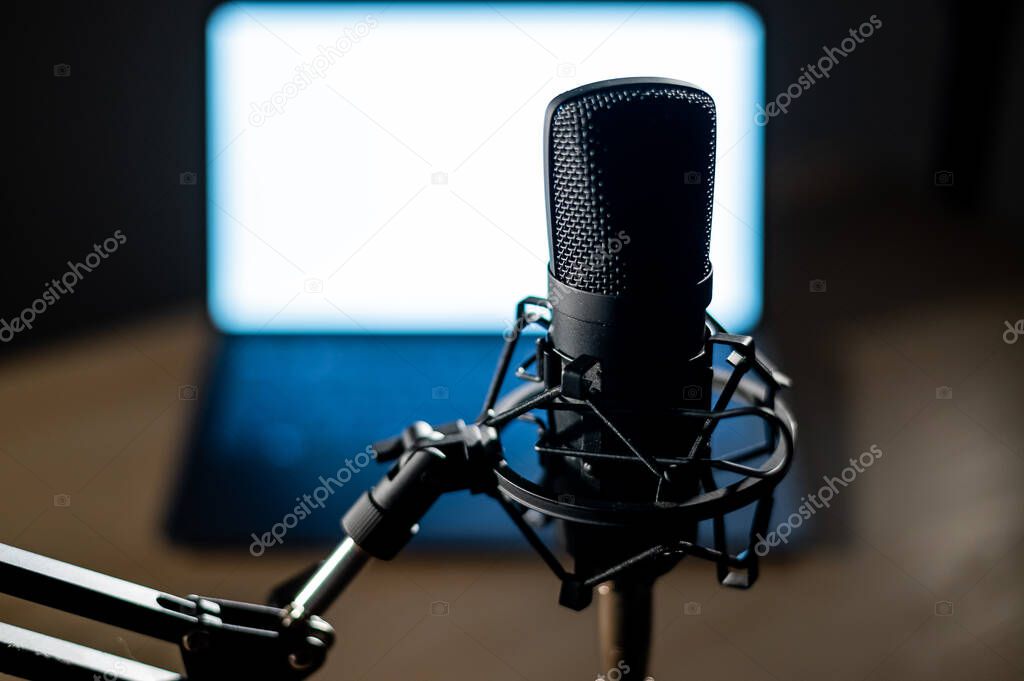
[104,148]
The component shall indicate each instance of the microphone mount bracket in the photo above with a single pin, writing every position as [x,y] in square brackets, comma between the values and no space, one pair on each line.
[227,639]
[217,638]
[578,390]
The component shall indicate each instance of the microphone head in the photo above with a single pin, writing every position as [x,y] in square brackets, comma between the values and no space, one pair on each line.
[630,184]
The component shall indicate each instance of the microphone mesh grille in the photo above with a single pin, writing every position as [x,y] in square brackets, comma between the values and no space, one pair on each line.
[646,141]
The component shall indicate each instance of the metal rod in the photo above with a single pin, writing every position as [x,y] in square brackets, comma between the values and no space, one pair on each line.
[31,655]
[650,463]
[498,420]
[90,594]
[328,582]
[734,458]
[624,612]
[532,538]
[504,359]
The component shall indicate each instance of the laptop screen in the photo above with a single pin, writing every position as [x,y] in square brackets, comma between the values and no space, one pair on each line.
[378,167]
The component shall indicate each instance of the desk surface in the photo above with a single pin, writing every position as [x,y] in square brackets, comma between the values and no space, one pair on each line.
[100,420]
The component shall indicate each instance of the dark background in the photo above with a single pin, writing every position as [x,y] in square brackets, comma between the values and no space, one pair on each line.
[851,188]
[920,278]
[937,88]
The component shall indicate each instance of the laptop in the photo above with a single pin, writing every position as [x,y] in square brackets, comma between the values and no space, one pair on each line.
[375,210]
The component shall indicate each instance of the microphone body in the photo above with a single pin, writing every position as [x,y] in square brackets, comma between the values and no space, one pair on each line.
[630,182]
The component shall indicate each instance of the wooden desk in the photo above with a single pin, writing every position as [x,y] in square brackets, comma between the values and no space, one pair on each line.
[100,420]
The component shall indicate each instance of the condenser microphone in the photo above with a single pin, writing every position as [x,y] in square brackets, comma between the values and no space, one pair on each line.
[630,169]
[629,183]
[620,396]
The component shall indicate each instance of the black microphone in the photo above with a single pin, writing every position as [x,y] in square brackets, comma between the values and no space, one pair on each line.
[630,181]
[630,169]
[624,375]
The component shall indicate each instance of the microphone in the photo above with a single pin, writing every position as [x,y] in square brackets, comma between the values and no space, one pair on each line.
[630,169]
[624,377]
[630,182]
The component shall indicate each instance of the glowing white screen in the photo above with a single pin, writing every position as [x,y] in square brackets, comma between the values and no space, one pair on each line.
[378,167]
